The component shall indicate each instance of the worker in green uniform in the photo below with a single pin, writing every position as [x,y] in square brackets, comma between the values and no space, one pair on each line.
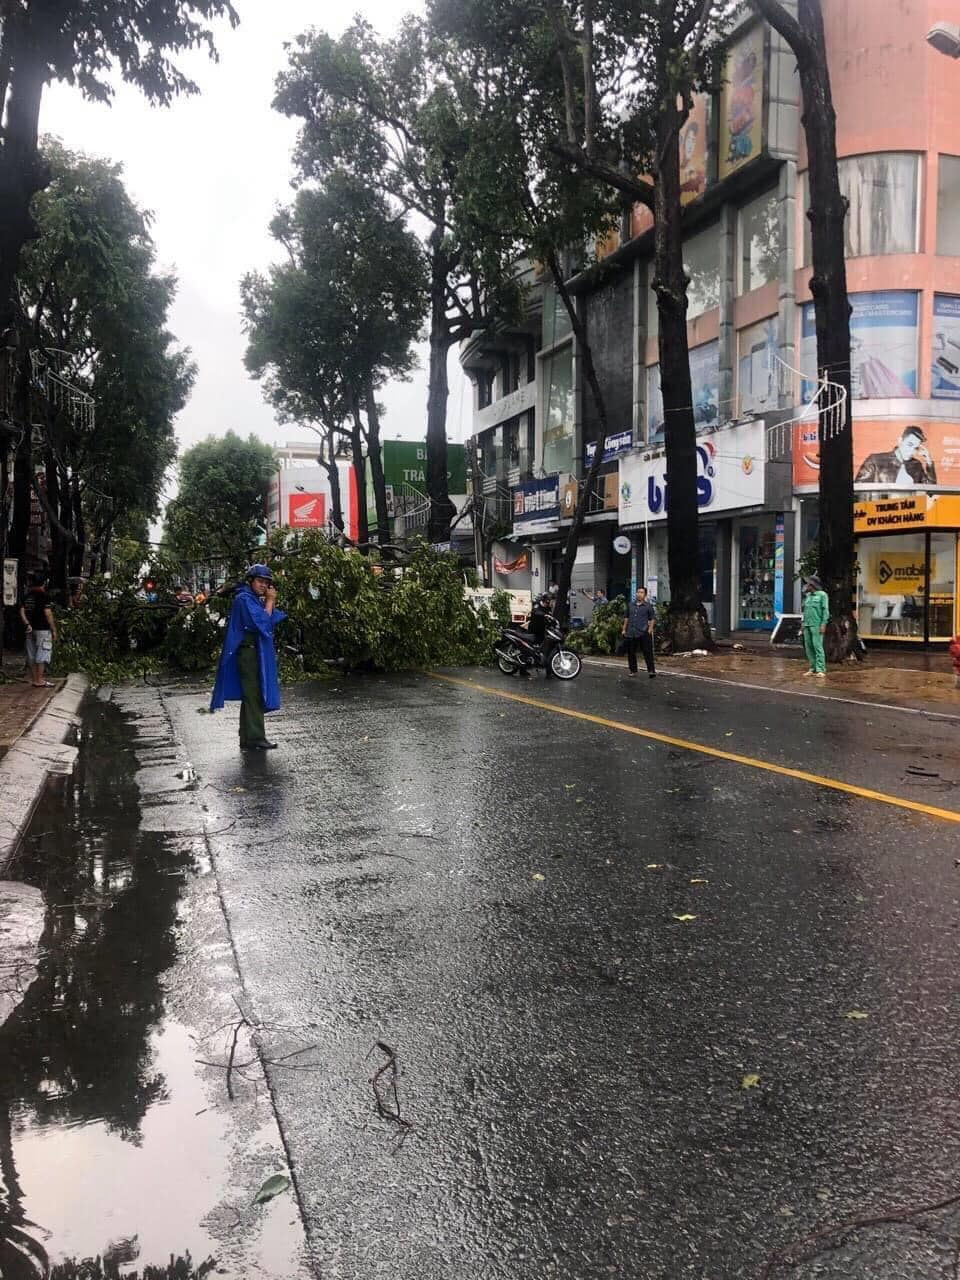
[816,611]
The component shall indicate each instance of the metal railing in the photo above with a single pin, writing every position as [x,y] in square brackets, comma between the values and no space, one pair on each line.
[47,376]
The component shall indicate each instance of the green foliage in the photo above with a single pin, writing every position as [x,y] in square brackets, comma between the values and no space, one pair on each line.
[393,619]
[341,608]
[220,507]
[109,1268]
[89,286]
[602,634]
[343,311]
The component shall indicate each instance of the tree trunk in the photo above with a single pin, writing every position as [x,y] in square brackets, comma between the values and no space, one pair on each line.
[828,285]
[360,473]
[333,475]
[23,172]
[687,626]
[375,455]
[78,549]
[585,355]
[58,543]
[442,509]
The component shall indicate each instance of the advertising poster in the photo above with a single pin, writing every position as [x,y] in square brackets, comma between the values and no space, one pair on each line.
[945,357]
[705,385]
[741,104]
[883,342]
[536,505]
[694,149]
[757,376]
[898,454]
[705,378]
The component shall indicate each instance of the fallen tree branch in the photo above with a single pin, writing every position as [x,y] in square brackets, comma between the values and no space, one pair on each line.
[892,1217]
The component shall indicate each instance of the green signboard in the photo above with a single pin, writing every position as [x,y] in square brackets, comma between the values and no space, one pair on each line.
[405,463]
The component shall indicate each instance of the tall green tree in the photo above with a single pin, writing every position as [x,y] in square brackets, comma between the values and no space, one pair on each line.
[220,509]
[397,114]
[96,313]
[831,306]
[627,70]
[328,327]
[80,43]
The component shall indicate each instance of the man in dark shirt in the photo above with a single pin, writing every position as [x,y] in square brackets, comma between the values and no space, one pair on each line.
[638,632]
[37,617]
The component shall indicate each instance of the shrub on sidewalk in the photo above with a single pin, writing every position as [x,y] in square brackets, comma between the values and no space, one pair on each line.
[602,634]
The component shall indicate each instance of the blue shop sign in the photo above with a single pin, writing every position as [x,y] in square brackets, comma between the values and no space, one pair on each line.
[615,445]
[536,504]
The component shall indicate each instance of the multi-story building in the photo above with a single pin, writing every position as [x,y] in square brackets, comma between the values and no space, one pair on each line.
[752,347]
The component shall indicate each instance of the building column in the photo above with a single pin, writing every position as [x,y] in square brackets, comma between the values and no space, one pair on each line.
[728,290]
[787,295]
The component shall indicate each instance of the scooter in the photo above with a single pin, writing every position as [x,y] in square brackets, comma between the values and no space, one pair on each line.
[517,650]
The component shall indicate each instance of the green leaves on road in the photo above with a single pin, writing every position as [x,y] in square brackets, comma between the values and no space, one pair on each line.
[275,1185]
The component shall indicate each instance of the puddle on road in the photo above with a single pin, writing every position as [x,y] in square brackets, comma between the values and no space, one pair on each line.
[109,1130]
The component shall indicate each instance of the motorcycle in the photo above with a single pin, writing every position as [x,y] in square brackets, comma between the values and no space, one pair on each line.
[517,650]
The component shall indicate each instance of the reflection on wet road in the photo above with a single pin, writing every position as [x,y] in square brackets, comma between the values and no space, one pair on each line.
[110,1131]
[657,1015]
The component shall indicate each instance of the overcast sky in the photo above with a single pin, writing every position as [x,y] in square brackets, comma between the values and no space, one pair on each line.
[212,168]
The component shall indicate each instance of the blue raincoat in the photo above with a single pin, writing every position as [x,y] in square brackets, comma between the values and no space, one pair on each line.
[248,615]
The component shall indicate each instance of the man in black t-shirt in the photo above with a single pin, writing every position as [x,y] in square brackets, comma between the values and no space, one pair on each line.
[37,617]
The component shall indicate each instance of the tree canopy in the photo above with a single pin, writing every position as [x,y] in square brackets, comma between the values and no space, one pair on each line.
[97,315]
[219,512]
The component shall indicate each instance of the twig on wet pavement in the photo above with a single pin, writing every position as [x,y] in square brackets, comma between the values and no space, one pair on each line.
[383,1108]
[233,1049]
[792,1255]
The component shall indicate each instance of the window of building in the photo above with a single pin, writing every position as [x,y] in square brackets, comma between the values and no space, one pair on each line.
[758,243]
[948,207]
[883,195]
[758,376]
[484,388]
[556,322]
[490,451]
[558,416]
[701,261]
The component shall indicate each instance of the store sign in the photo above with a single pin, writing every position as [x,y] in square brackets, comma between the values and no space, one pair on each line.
[536,505]
[616,444]
[894,514]
[893,454]
[307,510]
[779,562]
[893,573]
[730,475]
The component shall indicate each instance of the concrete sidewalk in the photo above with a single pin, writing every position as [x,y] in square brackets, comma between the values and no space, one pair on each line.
[876,680]
[34,755]
[20,704]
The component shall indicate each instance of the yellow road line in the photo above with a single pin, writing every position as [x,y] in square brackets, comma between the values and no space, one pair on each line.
[751,762]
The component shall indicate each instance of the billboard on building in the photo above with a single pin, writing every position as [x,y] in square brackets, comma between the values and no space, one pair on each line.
[704,384]
[405,462]
[883,346]
[730,476]
[741,104]
[306,510]
[895,454]
[945,353]
[536,505]
[695,149]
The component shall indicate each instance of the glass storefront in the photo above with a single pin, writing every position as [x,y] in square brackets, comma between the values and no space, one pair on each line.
[906,588]
[756,574]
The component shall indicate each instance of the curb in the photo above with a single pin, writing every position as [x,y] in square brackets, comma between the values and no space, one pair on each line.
[40,752]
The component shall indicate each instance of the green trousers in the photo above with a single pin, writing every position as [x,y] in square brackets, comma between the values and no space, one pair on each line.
[813,648]
[252,728]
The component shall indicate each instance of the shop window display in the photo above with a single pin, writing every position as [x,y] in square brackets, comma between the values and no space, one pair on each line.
[892,586]
[756,577]
[943,573]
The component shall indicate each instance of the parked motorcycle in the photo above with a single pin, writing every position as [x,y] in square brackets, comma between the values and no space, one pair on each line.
[517,650]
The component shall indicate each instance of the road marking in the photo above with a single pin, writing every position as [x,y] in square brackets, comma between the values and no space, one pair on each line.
[750,762]
[792,693]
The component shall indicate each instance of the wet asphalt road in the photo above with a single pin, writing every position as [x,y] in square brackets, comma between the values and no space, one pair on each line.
[494,891]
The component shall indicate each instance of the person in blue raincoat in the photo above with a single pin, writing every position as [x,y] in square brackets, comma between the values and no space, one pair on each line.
[248,664]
